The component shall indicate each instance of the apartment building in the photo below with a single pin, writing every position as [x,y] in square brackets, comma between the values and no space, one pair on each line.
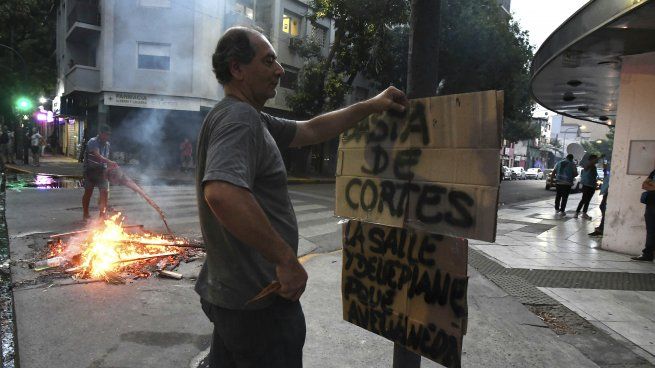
[141,66]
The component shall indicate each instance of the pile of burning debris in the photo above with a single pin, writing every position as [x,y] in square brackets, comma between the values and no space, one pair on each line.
[115,252]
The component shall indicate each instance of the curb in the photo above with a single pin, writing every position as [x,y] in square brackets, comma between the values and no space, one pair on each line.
[9,347]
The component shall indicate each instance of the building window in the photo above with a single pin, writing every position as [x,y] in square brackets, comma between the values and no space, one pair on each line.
[245,8]
[155,3]
[291,24]
[290,78]
[154,56]
[319,34]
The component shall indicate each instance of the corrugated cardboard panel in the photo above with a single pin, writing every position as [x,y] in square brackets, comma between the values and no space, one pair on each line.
[463,166]
[408,286]
[468,120]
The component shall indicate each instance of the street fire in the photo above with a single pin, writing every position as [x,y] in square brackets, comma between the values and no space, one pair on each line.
[111,249]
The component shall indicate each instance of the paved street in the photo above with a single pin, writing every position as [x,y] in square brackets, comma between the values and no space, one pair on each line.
[515,292]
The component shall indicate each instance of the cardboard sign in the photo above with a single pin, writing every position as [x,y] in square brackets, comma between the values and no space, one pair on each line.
[407,286]
[435,168]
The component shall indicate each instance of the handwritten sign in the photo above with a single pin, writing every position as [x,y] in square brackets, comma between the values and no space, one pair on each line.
[407,286]
[435,169]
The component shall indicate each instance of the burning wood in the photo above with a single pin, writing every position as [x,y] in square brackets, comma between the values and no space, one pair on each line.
[109,252]
[78,232]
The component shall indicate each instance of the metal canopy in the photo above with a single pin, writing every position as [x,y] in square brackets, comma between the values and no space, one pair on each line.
[576,71]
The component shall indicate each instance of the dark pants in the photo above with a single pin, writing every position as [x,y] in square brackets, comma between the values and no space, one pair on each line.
[562,196]
[587,194]
[267,338]
[26,155]
[603,206]
[649,216]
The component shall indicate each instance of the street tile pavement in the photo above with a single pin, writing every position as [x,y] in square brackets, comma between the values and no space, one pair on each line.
[532,241]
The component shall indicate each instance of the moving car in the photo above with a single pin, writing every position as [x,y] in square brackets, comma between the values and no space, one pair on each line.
[534,173]
[520,172]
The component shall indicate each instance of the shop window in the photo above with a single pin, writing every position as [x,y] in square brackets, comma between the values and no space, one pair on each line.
[155,56]
[291,24]
[290,77]
[245,7]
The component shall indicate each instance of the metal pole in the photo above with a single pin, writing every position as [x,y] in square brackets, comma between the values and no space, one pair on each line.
[403,358]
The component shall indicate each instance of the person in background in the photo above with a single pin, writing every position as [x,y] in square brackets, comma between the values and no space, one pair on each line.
[11,148]
[4,141]
[589,178]
[36,140]
[26,141]
[563,175]
[96,163]
[649,216]
[186,152]
[604,190]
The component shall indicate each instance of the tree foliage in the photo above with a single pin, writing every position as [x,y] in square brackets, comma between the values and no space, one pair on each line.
[361,27]
[603,147]
[481,48]
[27,26]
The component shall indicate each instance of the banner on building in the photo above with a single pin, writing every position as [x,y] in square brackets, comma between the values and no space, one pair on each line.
[128,99]
[436,168]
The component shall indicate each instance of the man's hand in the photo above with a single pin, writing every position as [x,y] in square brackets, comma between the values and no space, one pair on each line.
[293,279]
[390,99]
[112,165]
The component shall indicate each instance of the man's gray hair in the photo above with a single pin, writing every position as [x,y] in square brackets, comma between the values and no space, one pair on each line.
[233,45]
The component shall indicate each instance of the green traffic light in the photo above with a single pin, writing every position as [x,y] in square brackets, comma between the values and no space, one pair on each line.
[23,104]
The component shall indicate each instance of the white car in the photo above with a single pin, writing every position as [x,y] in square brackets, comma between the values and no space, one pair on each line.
[534,173]
[520,172]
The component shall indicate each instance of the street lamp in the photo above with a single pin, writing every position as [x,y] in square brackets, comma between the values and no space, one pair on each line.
[23,104]
[42,100]
[599,141]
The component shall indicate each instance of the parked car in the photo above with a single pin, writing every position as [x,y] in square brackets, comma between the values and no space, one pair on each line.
[534,173]
[550,181]
[520,172]
[508,174]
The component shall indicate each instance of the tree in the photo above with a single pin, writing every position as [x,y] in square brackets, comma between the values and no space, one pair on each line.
[361,26]
[28,27]
[601,147]
[481,48]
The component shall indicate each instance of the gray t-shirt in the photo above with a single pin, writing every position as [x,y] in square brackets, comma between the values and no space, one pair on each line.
[241,146]
[94,144]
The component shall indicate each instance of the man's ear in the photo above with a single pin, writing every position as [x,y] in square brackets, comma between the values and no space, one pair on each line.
[236,70]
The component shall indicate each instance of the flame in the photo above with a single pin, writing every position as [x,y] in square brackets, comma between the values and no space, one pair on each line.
[108,249]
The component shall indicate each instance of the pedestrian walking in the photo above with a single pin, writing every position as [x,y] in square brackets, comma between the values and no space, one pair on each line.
[563,175]
[246,215]
[604,191]
[589,179]
[649,216]
[36,140]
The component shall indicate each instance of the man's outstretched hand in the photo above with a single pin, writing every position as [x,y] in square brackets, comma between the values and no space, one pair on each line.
[390,99]
[293,279]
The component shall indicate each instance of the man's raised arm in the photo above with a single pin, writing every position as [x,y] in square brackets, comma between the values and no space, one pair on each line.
[331,124]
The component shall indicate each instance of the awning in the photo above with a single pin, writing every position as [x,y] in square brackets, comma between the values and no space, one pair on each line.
[576,72]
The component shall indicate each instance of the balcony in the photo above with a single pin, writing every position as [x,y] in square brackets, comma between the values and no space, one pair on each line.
[83,22]
[82,78]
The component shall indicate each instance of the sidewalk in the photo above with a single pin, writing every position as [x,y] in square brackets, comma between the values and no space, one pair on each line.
[68,167]
[552,266]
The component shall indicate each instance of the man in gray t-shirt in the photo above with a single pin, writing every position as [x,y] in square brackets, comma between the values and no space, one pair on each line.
[96,162]
[247,220]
